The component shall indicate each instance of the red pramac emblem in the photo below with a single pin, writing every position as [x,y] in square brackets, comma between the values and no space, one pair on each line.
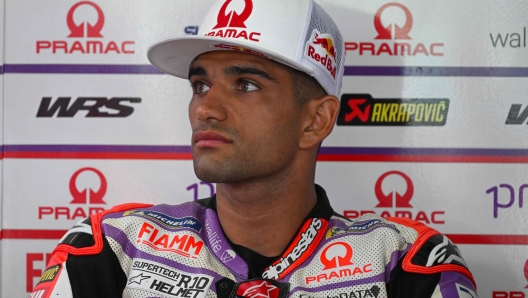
[91,30]
[338,254]
[88,195]
[386,200]
[233,19]
[393,31]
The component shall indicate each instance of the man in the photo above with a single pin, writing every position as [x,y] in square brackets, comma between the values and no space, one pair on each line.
[265,84]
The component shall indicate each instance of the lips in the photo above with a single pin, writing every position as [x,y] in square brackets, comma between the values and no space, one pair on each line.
[209,139]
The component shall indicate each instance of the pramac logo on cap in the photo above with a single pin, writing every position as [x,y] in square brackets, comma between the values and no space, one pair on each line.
[321,51]
[231,19]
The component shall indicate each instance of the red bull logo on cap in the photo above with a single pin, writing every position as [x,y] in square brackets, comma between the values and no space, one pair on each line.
[327,44]
[321,51]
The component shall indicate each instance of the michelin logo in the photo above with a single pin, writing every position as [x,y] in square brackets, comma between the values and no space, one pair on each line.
[168,221]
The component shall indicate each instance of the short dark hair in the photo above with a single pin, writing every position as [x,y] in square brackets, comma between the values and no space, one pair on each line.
[304,86]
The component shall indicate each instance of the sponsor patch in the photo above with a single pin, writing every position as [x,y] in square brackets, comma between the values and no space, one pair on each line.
[168,221]
[372,292]
[320,50]
[360,227]
[50,274]
[184,244]
[337,263]
[166,281]
[302,247]
[228,255]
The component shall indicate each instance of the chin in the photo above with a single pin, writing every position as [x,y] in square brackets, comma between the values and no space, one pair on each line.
[218,173]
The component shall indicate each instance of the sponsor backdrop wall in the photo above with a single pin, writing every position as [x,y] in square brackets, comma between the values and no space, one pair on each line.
[433,123]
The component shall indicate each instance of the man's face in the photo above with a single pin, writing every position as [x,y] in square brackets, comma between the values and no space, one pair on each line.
[245,123]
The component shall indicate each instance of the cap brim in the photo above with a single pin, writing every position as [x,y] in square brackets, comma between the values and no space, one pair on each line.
[174,55]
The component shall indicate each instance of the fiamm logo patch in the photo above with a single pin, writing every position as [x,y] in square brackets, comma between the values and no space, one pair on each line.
[363,109]
[168,221]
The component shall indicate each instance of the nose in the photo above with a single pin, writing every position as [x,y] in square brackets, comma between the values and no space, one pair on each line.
[211,107]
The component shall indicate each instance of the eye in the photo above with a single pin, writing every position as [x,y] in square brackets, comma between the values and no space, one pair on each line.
[247,86]
[199,87]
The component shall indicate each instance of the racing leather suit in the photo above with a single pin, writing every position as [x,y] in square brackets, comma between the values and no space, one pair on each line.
[138,250]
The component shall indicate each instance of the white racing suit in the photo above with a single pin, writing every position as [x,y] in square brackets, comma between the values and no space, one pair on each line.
[138,250]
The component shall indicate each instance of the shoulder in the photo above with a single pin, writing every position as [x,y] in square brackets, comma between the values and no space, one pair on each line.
[86,236]
[431,252]
[421,249]
[370,225]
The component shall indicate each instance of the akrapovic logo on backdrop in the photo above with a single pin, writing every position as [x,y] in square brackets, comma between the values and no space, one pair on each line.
[363,109]
[85,37]
[68,107]
[388,27]
[517,115]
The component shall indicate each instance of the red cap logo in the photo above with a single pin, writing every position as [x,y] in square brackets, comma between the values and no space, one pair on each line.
[393,31]
[327,44]
[233,19]
[338,254]
[91,30]
[257,289]
[386,200]
[87,194]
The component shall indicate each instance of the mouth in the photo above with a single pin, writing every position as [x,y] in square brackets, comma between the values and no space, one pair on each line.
[209,139]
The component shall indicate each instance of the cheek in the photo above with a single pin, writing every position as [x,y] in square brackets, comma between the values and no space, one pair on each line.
[192,111]
[277,130]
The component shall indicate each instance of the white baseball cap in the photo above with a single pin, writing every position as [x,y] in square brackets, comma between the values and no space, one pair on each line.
[297,33]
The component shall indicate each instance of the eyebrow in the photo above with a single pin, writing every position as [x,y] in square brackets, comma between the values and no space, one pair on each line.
[241,70]
[197,71]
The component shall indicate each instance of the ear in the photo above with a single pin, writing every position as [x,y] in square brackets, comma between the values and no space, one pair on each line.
[319,119]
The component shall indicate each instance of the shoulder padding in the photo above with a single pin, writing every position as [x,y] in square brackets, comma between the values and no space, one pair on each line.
[432,252]
[96,231]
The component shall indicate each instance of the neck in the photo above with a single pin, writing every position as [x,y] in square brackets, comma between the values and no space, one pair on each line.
[264,215]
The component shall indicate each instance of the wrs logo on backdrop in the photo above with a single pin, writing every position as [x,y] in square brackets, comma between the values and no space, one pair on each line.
[364,110]
[83,192]
[232,24]
[85,37]
[397,194]
[393,37]
[517,115]
[96,107]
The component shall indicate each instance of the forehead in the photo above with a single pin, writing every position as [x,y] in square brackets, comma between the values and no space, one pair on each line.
[222,58]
